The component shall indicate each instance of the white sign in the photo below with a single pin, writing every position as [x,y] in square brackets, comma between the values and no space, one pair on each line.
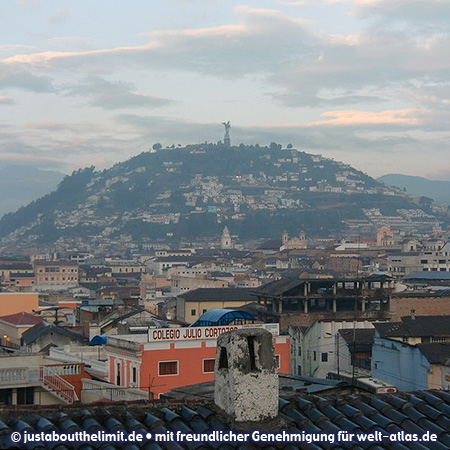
[190,333]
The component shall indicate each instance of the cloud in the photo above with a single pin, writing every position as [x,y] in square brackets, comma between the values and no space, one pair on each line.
[114,95]
[383,87]
[304,67]
[67,145]
[58,18]
[262,38]
[406,117]
[6,100]
[19,76]
[341,131]
[422,14]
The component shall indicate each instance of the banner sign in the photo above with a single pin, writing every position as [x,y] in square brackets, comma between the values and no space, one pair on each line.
[191,333]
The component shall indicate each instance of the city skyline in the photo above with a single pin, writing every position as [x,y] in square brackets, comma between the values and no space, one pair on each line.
[360,81]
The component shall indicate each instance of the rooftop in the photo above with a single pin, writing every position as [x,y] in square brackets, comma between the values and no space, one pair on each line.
[300,414]
[218,294]
[21,319]
[420,326]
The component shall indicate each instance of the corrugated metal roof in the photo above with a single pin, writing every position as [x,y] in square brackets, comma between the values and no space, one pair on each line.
[221,317]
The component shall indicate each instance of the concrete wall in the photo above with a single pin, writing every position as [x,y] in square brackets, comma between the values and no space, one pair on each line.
[320,339]
[200,307]
[12,333]
[399,364]
[15,302]
[246,386]
[423,306]
[189,355]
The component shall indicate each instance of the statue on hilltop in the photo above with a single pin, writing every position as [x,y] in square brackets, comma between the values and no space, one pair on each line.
[226,139]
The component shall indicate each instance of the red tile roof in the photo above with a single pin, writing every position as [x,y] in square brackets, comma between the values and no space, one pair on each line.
[21,319]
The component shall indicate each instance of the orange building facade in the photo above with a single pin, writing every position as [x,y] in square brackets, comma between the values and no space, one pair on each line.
[15,302]
[176,357]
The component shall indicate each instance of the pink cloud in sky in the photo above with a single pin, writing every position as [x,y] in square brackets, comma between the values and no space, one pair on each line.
[351,118]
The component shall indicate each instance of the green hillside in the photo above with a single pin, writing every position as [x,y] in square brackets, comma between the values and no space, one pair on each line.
[196,190]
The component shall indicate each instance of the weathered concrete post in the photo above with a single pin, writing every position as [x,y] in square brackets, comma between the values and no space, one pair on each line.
[246,385]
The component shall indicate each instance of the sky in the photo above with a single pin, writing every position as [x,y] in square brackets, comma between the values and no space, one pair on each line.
[95,82]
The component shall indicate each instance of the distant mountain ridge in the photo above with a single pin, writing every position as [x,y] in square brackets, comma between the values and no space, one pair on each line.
[439,191]
[194,191]
[21,184]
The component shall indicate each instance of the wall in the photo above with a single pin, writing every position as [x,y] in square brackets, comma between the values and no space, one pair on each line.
[15,302]
[445,372]
[423,306]
[199,307]
[318,339]
[190,355]
[182,284]
[13,333]
[399,364]
[53,338]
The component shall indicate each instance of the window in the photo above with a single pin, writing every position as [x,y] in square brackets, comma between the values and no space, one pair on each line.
[168,368]
[315,356]
[192,312]
[277,361]
[208,365]
[134,375]
[424,261]
[324,357]
[25,396]
[204,311]
[5,396]
[299,351]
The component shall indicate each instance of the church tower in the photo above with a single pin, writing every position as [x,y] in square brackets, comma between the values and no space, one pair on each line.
[225,242]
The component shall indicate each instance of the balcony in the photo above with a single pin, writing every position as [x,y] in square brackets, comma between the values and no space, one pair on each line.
[49,377]
[93,391]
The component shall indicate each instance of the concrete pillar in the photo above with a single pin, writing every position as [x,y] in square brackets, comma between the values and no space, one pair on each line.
[246,385]
[305,306]
[363,304]
[334,305]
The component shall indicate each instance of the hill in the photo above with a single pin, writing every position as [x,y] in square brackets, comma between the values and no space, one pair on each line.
[193,192]
[439,191]
[21,184]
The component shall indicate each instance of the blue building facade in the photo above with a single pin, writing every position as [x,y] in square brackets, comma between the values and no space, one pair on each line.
[400,364]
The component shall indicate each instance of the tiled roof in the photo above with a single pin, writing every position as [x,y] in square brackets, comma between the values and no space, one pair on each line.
[436,353]
[360,337]
[21,275]
[21,319]
[43,328]
[428,325]
[218,294]
[16,266]
[55,263]
[279,287]
[389,414]
[420,326]
[428,275]
[271,244]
